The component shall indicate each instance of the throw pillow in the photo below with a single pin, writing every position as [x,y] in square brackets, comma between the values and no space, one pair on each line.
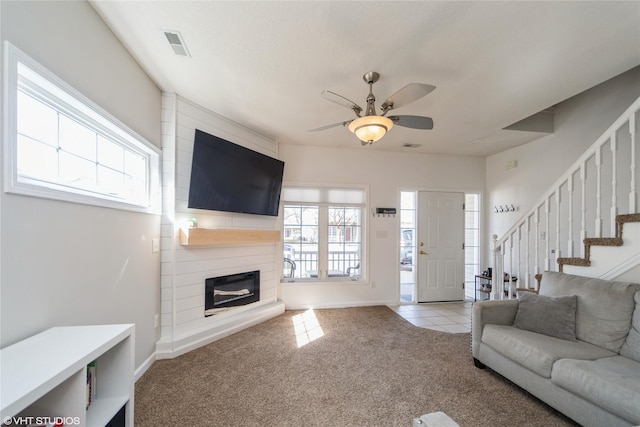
[552,316]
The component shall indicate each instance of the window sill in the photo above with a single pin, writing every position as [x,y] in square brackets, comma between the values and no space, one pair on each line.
[327,281]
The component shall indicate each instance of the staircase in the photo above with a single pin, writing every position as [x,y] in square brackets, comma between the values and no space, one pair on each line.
[588,207]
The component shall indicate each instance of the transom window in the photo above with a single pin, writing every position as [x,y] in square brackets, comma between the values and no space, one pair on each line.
[60,145]
[323,240]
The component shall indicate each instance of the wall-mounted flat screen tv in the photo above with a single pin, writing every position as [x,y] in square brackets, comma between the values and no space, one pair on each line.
[231,178]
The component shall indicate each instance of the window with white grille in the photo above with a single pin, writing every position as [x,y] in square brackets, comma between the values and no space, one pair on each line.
[60,145]
[323,233]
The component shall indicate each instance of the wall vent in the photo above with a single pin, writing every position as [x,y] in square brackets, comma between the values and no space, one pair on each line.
[177,44]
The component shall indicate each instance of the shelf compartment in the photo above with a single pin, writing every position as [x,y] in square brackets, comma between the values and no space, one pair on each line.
[226,236]
[103,409]
[50,404]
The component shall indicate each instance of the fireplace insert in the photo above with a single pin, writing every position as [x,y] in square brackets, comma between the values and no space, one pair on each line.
[222,293]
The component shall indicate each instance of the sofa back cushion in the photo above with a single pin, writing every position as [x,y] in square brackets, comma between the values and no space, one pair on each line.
[631,347]
[604,308]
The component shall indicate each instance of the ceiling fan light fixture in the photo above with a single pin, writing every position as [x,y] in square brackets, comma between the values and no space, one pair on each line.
[370,129]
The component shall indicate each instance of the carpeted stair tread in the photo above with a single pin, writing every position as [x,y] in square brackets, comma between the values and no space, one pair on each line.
[582,262]
[628,218]
[603,241]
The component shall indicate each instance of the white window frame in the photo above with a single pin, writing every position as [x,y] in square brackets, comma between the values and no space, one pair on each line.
[323,226]
[59,95]
[409,278]
[470,281]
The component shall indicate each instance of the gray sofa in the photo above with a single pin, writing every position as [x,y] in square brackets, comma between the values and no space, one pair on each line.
[575,346]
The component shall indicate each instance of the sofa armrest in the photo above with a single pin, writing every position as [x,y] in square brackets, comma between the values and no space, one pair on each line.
[497,312]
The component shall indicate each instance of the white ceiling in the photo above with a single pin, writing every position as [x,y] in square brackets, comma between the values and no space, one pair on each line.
[264,64]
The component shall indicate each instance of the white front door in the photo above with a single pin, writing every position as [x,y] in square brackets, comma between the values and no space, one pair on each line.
[440,246]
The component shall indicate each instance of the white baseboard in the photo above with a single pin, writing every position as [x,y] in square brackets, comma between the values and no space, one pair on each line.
[339,305]
[622,268]
[140,370]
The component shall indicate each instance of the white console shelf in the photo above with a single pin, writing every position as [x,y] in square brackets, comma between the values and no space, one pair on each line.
[46,375]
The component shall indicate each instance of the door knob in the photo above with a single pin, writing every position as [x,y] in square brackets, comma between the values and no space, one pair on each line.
[423,252]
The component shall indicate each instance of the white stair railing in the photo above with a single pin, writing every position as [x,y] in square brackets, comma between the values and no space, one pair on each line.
[582,203]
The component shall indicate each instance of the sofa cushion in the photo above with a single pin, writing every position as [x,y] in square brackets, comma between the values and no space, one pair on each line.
[613,383]
[537,352]
[553,316]
[631,347]
[604,308]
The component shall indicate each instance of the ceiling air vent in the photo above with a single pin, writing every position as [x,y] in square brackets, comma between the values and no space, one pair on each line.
[410,145]
[177,44]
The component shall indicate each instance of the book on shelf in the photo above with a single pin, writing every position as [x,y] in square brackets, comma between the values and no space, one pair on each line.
[91,383]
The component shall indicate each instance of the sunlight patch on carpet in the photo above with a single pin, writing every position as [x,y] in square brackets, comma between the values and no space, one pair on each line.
[306,327]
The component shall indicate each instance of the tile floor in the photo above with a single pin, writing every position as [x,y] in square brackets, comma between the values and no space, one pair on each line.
[453,317]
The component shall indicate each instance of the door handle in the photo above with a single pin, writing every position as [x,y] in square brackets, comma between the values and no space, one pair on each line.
[423,252]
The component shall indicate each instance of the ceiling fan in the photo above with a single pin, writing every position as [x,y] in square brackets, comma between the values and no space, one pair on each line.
[370,127]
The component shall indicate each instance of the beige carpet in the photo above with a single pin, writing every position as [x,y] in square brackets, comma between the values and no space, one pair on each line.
[369,367]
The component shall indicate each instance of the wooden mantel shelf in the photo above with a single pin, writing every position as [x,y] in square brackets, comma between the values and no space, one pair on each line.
[226,236]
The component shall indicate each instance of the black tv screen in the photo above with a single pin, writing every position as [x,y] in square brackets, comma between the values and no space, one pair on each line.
[231,178]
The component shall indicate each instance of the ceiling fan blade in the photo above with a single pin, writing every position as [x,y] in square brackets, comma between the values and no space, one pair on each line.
[332,125]
[413,122]
[408,94]
[341,100]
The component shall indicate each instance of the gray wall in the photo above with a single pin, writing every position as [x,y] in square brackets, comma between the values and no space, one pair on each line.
[64,263]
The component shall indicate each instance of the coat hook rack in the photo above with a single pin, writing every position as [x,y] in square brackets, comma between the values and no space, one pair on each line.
[384,212]
[505,208]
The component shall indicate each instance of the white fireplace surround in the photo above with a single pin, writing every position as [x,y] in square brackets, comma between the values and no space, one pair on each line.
[184,268]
